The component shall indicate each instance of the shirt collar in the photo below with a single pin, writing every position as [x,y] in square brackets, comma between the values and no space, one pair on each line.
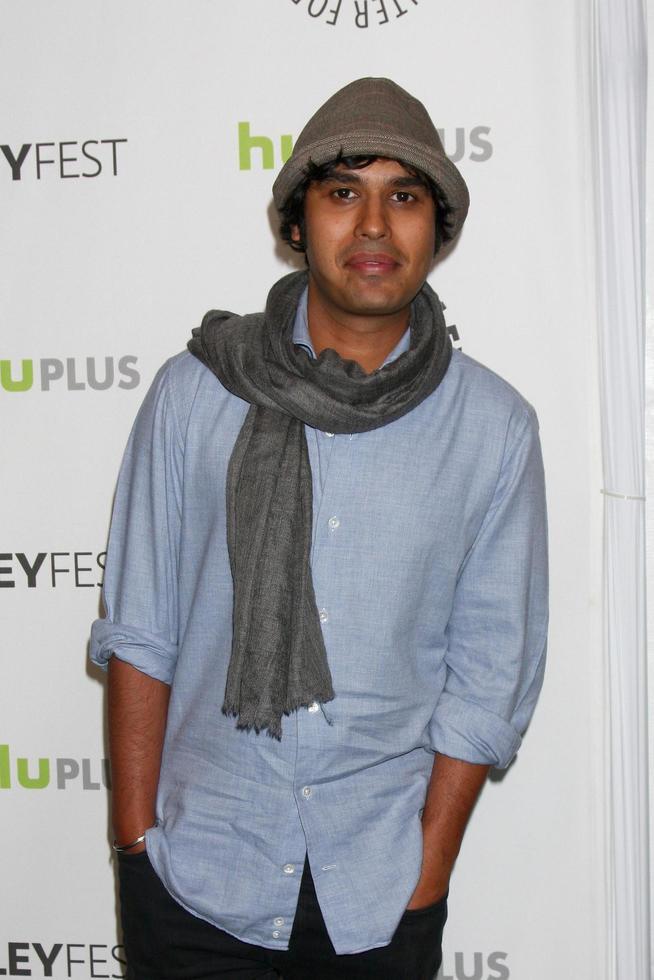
[302,338]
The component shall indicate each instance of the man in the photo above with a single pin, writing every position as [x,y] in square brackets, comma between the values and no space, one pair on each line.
[325,589]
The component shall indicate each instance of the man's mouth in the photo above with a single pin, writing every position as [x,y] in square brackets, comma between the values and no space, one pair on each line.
[373,263]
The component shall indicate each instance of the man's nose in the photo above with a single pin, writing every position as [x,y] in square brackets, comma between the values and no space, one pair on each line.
[373,219]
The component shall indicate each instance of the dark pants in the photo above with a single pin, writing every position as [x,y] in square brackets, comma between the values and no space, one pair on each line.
[165,942]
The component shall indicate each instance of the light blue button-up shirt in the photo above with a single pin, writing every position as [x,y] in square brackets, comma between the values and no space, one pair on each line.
[429,563]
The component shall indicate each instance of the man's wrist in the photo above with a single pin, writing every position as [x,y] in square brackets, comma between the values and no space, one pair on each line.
[130,823]
[130,845]
[129,834]
[425,895]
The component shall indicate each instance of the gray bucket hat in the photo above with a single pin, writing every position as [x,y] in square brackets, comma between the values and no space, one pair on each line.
[375,116]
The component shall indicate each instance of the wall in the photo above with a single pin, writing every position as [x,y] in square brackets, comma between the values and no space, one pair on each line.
[128,209]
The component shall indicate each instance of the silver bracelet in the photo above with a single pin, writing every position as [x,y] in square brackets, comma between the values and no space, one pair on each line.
[128,847]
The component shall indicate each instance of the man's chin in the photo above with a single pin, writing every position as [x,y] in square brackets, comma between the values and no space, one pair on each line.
[365,296]
[376,304]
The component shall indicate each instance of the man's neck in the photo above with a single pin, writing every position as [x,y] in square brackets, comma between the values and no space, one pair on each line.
[366,340]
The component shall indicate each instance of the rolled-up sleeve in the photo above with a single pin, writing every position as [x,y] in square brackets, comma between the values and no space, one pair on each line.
[497,631]
[140,583]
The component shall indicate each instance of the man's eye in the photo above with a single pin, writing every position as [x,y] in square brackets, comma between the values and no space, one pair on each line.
[403,197]
[344,193]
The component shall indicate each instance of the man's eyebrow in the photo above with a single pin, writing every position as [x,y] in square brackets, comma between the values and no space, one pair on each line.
[408,181]
[342,177]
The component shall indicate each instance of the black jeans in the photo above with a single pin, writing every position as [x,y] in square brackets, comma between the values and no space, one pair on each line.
[165,942]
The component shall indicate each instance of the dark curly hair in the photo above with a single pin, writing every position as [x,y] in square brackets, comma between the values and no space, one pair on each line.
[292,214]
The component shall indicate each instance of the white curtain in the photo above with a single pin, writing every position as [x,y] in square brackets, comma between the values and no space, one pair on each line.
[619,63]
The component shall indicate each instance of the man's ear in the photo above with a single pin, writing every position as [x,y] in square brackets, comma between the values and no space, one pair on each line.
[295,233]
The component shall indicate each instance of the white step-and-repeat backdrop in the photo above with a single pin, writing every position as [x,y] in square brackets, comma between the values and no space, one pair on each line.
[138,144]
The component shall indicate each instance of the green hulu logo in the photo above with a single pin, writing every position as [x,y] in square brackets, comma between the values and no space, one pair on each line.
[24,383]
[39,781]
[247,143]
[36,773]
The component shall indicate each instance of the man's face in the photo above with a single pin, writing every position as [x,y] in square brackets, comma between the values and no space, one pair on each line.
[370,238]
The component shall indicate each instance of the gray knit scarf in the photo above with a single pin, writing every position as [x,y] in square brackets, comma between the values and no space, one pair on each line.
[278,661]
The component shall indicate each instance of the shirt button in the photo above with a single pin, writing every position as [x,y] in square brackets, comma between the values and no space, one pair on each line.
[334,523]
[330,435]
[306,792]
[324,616]
[276,934]
[314,706]
[289,869]
[278,921]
